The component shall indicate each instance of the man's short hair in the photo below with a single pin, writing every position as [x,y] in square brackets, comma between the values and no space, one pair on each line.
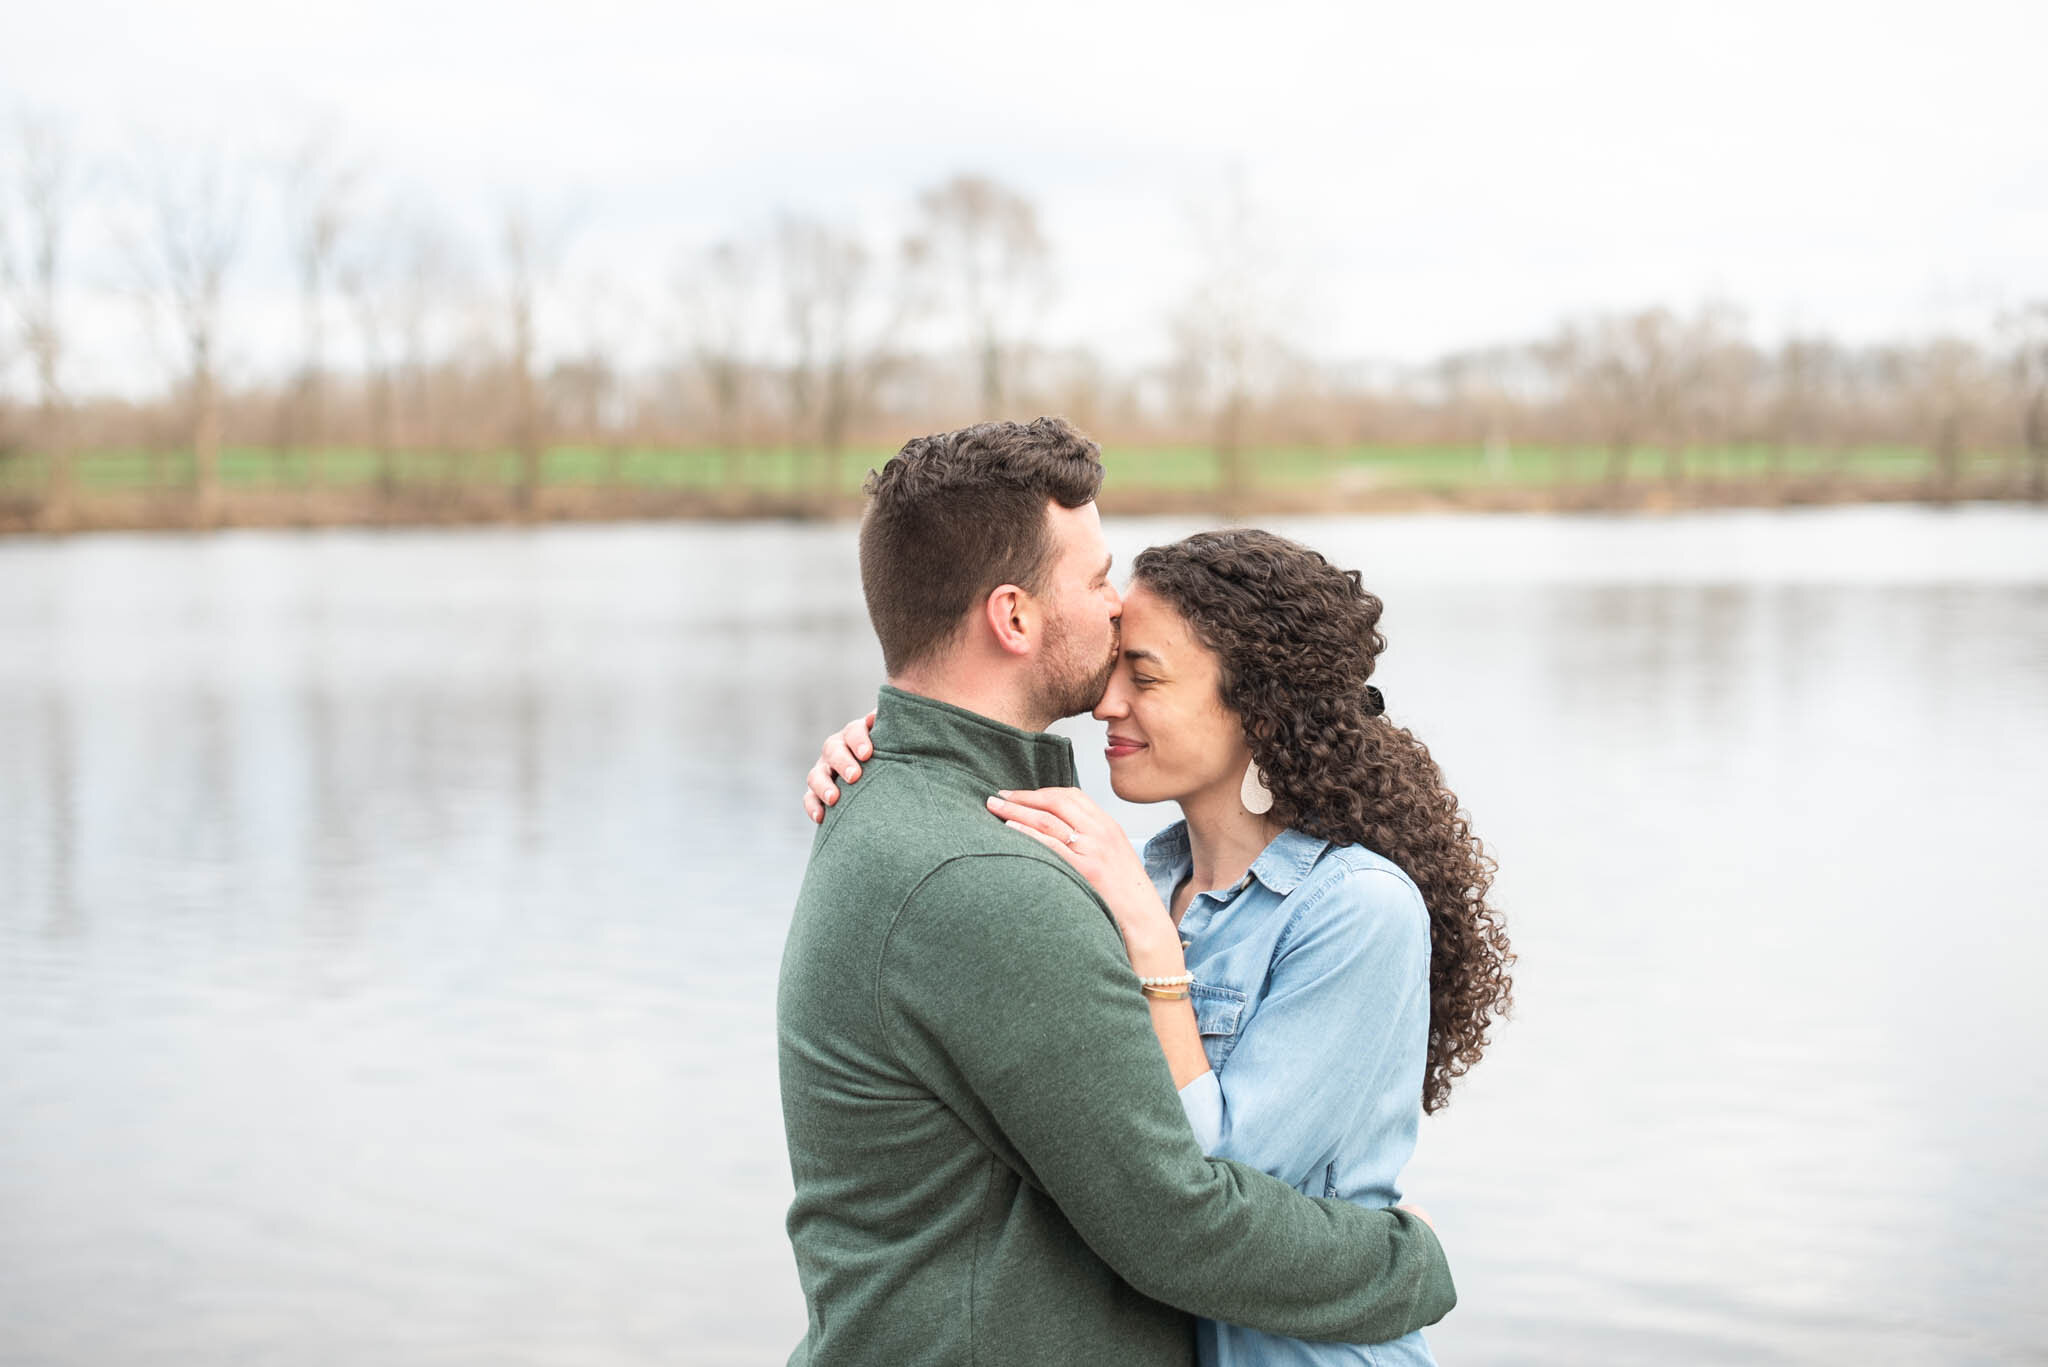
[954,515]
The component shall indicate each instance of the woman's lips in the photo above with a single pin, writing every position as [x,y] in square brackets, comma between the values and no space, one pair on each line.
[1122,748]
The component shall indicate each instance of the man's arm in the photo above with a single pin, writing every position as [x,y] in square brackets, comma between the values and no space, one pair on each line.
[1005,985]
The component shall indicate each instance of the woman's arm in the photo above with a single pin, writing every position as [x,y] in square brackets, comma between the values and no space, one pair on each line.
[1070,824]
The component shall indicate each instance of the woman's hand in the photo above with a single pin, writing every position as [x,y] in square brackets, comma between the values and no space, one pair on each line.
[1070,824]
[838,762]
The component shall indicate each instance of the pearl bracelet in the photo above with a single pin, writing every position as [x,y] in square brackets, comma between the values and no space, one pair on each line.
[1175,980]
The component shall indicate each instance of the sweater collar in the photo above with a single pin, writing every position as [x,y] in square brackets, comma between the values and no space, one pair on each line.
[998,755]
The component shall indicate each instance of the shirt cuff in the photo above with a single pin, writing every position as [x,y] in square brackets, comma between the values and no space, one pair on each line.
[1202,1099]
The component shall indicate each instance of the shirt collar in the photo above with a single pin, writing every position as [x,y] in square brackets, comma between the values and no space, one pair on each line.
[1283,864]
[997,754]
[1167,852]
[1280,866]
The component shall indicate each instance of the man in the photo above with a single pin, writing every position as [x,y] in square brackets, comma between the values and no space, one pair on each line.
[991,1164]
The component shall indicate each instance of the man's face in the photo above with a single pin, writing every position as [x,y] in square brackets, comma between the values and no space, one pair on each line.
[1081,610]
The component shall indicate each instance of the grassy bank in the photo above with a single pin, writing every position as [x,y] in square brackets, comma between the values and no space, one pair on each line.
[338,485]
[783,470]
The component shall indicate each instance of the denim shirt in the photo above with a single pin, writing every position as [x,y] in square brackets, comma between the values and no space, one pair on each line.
[1311,992]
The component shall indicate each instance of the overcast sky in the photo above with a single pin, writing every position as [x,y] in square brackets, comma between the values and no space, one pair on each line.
[1428,176]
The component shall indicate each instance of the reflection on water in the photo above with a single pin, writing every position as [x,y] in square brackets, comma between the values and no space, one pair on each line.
[388,927]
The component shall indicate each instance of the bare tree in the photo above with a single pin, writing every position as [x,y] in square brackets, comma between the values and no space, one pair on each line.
[371,271]
[401,277]
[1944,379]
[182,249]
[367,296]
[1627,375]
[319,189]
[1799,377]
[530,253]
[29,274]
[1717,380]
[1225,346]
[428,280]
[2028,329]
[1596,393]
[719,291]
[591,383]
[983,241]
[1480,384]
[843,312]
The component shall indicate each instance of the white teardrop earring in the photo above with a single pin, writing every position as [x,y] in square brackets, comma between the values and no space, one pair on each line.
[1253,792]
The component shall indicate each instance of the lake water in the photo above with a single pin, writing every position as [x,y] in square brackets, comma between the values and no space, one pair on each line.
[389,925]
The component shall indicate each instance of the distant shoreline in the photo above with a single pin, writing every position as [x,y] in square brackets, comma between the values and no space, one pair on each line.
[139,490]
[177,510]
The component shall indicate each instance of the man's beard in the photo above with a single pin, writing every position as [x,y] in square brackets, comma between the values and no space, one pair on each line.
[1072,682]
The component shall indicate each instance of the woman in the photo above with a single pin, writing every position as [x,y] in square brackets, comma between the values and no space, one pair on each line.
[1329,897]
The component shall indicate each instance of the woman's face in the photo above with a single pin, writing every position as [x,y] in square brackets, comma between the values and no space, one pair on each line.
[1170,736]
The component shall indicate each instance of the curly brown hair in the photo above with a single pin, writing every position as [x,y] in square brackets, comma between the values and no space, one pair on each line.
[1298,639]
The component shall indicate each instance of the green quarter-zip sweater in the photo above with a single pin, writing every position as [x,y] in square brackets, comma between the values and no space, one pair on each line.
[991,1164]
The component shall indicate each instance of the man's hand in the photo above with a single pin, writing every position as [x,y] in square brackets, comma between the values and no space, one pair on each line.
[839,761]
